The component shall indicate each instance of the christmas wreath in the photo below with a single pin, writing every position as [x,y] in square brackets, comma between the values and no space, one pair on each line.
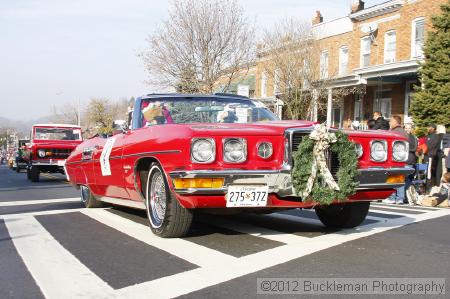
[310,175]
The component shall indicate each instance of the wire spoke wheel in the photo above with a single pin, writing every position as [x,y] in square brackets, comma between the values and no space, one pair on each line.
[158,198]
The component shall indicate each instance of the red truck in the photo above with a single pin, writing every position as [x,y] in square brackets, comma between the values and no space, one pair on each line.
[50,146]
[221,153]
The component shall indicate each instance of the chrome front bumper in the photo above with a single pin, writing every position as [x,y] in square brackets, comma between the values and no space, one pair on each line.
[280,182]
[49,162]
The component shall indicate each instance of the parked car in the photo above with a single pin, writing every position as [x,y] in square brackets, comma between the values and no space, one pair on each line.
[186,152]
[50,146]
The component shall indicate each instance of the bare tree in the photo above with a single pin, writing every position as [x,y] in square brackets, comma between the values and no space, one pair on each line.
[290,56]
[67,113]
[201,41]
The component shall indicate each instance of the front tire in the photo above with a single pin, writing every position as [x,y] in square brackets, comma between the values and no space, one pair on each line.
[343,215]
[34,173]
[88,199]
[168,219]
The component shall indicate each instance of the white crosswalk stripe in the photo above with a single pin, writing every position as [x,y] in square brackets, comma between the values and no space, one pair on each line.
[61,275]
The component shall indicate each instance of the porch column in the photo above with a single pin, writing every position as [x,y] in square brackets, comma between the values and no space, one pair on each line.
[314,105]
[329,107]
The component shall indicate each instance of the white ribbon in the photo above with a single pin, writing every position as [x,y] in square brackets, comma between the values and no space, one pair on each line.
[323,139]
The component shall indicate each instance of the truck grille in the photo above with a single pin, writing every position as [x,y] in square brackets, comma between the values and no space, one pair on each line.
[58,153]
[332,158]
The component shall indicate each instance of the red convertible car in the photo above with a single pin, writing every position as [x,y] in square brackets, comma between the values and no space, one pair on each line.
[220,153]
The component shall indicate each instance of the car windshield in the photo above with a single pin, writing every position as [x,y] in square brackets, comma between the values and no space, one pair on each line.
[57,134]
[202,110]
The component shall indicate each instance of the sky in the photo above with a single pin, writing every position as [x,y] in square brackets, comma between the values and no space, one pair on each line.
[54,52]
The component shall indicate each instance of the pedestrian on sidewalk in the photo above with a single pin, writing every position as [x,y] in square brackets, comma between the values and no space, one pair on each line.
[398,197]
[433,156]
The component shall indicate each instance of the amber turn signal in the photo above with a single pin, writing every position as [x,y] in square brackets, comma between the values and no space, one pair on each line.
[199,183]
[395,179]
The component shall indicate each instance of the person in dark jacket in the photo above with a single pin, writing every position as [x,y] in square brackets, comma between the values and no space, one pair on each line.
[380,122]
[412,158]
[433,155]
[371,124]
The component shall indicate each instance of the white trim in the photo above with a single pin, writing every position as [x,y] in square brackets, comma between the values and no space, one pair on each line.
[397,68]
[362,52]
[57,125]
[342,72]
[413,37]
[323,64]
[377,10]
[385,54]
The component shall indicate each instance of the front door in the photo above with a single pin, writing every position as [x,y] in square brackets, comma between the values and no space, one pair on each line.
[108,167]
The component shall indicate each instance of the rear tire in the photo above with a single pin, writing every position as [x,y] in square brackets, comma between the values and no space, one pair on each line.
[167,218]
[34,173]
[343,215]
[17,169]
[28,173]
[88,199]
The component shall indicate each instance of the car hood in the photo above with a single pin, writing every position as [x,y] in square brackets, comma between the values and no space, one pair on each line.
[56,143]
[259,128]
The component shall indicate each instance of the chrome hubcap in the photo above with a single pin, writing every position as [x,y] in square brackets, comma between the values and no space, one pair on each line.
[157,199]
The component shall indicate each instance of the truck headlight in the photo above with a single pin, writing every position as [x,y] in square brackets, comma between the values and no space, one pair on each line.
[203,150]
[234,150]
[400,151]
[41,153]
[359,150]
[378,150]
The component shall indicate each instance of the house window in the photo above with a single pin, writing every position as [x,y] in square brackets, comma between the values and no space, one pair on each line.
[417,38]
[358,108]
[343,61]
[306,73]
[264,85]
[276,82]
[365,51]
[383,102]
[390,45]
[324,65]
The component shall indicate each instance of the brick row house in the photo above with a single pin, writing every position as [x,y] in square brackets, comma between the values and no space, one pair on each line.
[377,48]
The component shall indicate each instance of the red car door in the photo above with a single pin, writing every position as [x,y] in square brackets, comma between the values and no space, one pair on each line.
[108,167]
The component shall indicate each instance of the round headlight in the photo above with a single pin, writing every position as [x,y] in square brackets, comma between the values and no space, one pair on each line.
[378,151]
[203,150]
[235,150]
[265,150]
[400,151]
[41,153]
[359,150]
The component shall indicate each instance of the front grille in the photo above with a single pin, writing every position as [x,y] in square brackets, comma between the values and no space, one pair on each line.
[58,153]
[332,158]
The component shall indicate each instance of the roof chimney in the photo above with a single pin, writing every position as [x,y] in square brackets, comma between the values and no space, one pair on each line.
[317,18]
[357,5]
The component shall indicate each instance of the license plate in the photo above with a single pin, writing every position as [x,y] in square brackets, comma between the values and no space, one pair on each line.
[61,162]
[247,196]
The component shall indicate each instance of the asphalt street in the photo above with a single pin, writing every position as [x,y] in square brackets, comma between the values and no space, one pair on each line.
[51,247]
